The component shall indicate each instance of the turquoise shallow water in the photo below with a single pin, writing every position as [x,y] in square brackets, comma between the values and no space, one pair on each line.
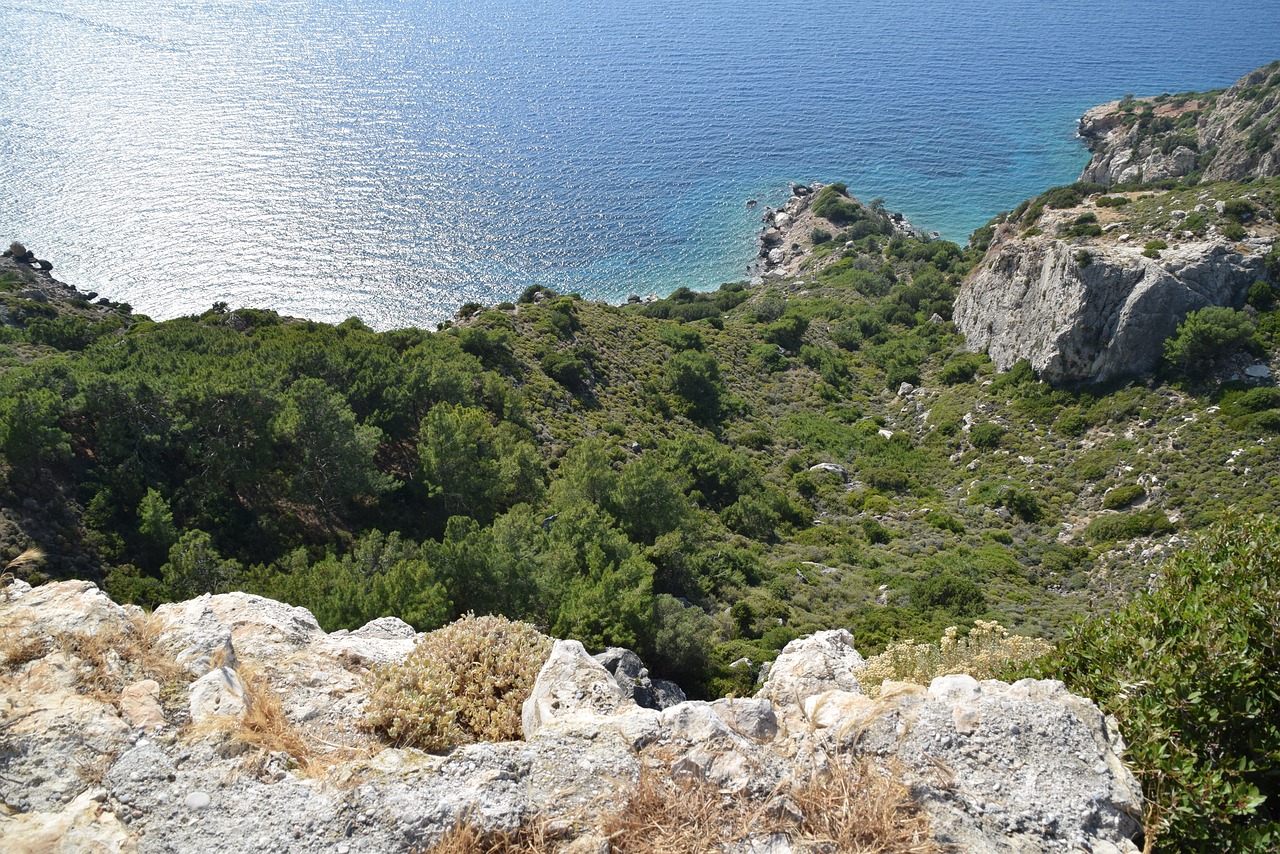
[394,158]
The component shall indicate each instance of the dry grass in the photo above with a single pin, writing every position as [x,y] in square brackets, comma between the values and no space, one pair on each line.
[265,726]
[534,837]
[114,659]
[846,808]
[264,723]
[21,562]
[16,649]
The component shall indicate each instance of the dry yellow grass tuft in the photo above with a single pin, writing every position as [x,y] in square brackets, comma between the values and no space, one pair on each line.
[112,660]
[844,807]
[984,654]
[16,649]
[265,724]
[534,837]
[21,562]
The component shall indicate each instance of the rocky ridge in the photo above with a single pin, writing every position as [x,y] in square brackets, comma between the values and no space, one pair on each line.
[121,731]
[1228,135]
[1087,286]
[1093,310]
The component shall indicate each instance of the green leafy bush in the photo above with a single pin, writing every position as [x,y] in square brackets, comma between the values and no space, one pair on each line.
[1113,201]
[1209,334]
[1189,669]
[833,204]
[986,437]
[1122,496]
[961,368]
[462,683]
[1153,248]
[1127,526]
[1258,399]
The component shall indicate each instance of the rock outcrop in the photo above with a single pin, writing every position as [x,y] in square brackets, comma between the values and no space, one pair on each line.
[1078,320]
[787,238]
[95,758]
[1230,135]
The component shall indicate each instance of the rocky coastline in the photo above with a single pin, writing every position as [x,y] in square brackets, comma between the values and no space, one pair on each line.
[784,248]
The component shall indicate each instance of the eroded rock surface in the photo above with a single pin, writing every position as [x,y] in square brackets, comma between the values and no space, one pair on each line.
[1033,298]
[97,758]
[1227,136]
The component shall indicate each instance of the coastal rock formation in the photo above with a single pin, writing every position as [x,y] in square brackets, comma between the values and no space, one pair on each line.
[1101,314]
[95,757]
[787,239]
[1230,135]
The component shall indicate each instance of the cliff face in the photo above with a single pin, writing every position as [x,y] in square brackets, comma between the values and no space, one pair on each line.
[1035,298]
[1229,135]
[228,723]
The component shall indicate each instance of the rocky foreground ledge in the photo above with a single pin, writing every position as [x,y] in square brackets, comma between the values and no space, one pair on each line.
[230,723]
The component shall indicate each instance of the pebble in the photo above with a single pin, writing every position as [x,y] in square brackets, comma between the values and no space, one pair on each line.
[198,800]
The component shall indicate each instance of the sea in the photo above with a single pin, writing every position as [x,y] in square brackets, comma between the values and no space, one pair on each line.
[392,159]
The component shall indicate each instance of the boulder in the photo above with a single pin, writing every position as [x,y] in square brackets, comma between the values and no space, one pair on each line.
[808,666]
[633,678]
[1004,768]
[219,693]
[140,705]
[571,684]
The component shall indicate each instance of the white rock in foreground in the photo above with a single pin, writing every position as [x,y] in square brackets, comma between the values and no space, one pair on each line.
[998,768]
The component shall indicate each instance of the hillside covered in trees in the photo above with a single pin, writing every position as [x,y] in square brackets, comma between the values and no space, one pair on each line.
[702,478]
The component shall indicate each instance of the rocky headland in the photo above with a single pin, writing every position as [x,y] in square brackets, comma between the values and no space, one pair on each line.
[1227,135]
[787,238]
[1087,282]
[233,723]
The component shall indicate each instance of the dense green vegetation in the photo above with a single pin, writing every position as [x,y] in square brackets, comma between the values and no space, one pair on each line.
[701,478]
[1189,670]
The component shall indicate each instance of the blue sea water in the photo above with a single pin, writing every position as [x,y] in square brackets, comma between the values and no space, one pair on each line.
[394,158]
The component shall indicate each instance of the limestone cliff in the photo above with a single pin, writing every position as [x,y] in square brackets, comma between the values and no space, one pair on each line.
[228,723]
[1094,310]
[1229,135]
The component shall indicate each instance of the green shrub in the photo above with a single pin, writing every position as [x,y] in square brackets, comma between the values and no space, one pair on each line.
[1153,248]
[1258,399]
[1113,201]
[1084,258]
[1022,503]
[947,591]
[944,522]
[876,533]
[1233,231]
[1262,295]
[986,437]
[1123,496]
[1269,420]
[960,368]
[1126,526]
[833,204]
[1239,209]
[1071,423]
[1189,669]
[1207,335]
[819,236]
[847,335]
[462,683]
[569,367]
[1273,263]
